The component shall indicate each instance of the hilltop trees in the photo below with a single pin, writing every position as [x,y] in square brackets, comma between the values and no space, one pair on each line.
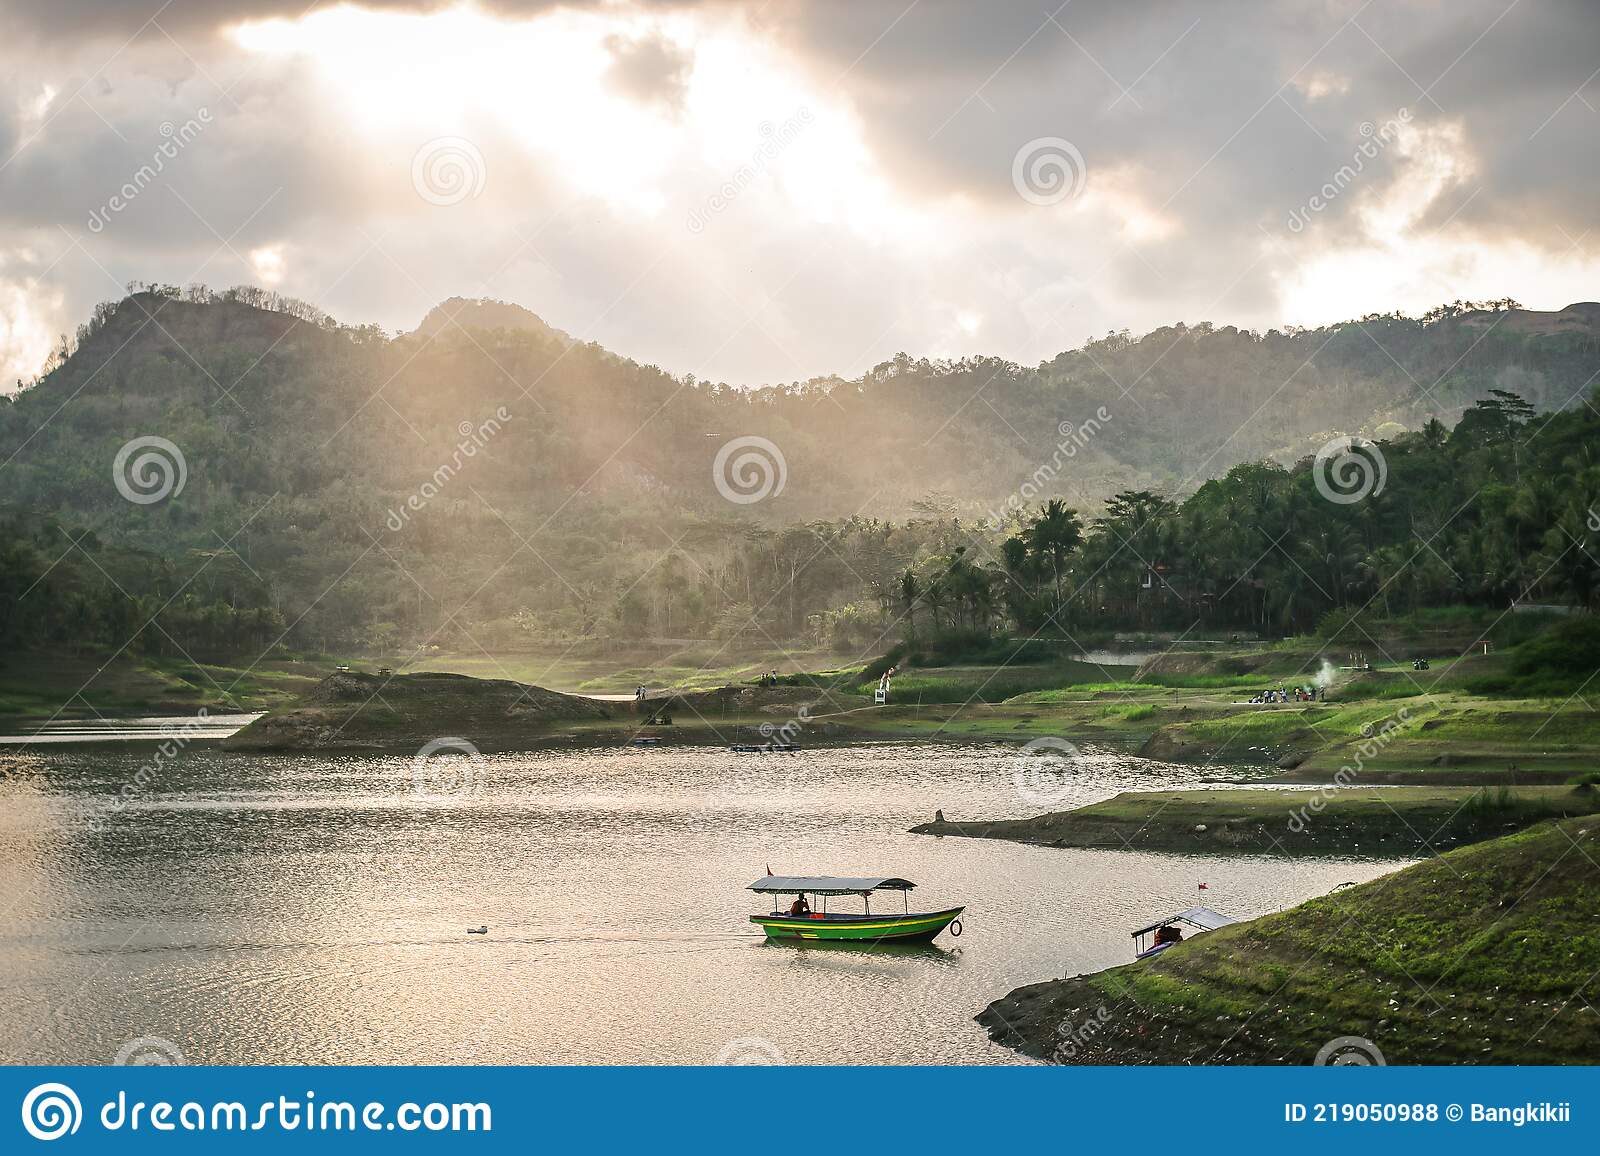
[1505,507]
[592,511]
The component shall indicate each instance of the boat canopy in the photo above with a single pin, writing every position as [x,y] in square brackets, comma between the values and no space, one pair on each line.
[826,885]
[1201,917]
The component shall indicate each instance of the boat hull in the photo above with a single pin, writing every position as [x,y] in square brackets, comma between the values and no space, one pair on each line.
[916,927]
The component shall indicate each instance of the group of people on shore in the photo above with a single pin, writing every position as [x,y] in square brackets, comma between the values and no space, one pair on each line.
[1291,694]
[768,679]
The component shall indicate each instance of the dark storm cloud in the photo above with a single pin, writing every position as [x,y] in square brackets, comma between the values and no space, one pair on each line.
[1207,101]
[198,157]
[1226,118]
[1214,101]
[80,20]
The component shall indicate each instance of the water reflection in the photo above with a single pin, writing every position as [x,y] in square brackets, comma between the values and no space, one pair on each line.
[156,728]
[279,910]
[926,952]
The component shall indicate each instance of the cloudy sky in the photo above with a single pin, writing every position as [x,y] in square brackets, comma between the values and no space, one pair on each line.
[772,191]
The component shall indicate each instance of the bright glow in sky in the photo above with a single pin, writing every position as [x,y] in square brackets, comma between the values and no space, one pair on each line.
[547,84]
[759,193]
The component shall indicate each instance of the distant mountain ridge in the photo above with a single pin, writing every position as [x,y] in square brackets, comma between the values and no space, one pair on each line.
[1181,404]
[354,477]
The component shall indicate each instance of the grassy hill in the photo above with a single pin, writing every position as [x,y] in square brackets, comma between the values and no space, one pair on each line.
[1486,954]
[359,711]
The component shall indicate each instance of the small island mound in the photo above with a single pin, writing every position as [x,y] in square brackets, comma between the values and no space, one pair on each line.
[1481,955]
[356,711]
[1386,821]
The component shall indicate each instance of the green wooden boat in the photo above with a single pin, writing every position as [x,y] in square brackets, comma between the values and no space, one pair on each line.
[800,922]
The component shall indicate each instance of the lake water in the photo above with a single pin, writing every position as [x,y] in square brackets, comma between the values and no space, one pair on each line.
[156,728]
[266,909]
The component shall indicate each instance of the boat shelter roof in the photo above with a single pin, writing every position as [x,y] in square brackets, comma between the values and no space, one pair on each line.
[1201,917]
[827,885]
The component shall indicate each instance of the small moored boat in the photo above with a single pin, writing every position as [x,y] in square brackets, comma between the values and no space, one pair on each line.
[1166,932]
[802,923]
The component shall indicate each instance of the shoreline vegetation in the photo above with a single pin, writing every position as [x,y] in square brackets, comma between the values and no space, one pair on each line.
[1389,821]
[1464,722]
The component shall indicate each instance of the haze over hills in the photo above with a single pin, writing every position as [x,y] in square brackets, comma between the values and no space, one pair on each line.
[488,458]
[483,313]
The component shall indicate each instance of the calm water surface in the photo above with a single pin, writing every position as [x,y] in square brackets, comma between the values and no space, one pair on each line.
[265,909]
[156,728]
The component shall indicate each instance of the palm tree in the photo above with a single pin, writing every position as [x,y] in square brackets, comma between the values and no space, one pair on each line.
[910,591]
[1053,535]
[934,596]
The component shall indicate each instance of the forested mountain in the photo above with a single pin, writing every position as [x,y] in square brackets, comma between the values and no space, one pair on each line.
[481,313]
[487,478]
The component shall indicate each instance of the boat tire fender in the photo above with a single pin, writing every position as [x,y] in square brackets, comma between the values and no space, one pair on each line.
[955,928]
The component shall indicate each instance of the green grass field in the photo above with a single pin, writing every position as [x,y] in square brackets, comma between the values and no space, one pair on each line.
[35,686]
[1189,705]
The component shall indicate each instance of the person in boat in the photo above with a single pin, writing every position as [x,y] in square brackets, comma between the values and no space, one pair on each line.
[800,906]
